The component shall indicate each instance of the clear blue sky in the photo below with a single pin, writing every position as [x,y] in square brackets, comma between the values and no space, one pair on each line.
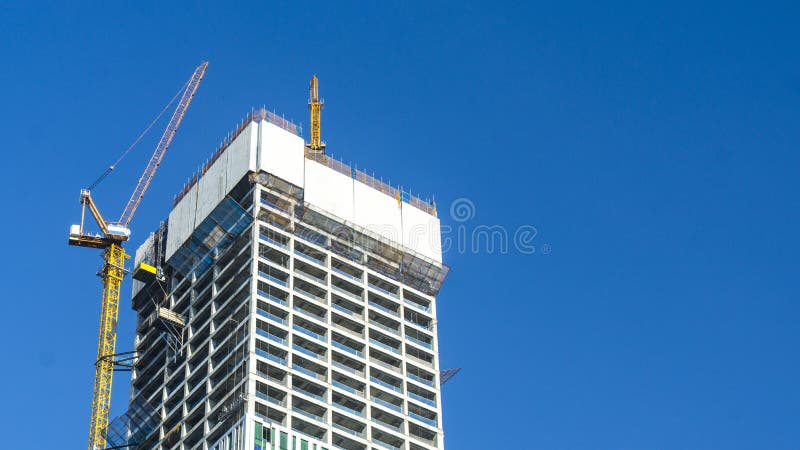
[654,147]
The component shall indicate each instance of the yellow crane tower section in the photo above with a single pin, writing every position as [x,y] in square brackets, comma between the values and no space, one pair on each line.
[113,270]
[315,106]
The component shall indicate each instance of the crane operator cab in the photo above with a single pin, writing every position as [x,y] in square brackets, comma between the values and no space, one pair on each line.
[111,232]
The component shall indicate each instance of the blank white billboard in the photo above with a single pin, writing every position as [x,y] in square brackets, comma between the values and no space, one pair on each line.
[281,153]
[329,190]
[422,233]
[377,212]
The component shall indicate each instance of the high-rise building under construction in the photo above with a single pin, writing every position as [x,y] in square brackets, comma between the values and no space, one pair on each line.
[288,302]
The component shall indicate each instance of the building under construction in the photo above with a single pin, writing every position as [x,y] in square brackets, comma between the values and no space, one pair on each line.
[287,302]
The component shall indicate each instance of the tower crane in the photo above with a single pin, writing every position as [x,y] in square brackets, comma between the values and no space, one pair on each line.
[315,106]
[110,240]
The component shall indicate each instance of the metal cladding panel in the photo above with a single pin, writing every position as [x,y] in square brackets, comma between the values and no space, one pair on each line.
[242,155]
[181,221]
[329,190]
[281,153]
[421,232]
[212,187]
[377,212]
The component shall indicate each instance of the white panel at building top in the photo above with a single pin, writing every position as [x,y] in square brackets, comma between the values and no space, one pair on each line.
[211,188]
[377,212]
[281,153]
[242,155]
[181,222]
[421,232]
[329,190]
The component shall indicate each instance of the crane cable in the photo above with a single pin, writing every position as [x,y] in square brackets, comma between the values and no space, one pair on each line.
[139,138]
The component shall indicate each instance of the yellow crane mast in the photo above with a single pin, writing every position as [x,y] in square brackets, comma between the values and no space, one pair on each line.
[113,270]
[315,106]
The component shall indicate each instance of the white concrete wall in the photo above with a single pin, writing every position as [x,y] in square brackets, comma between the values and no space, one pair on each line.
[212,188]
[281,154]
[267,147]
[422,232]
[234,163]
[181,221]
[377,212]
[329,190]
[242,155]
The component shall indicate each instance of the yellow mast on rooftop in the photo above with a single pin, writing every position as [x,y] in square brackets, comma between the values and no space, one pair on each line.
[315,106]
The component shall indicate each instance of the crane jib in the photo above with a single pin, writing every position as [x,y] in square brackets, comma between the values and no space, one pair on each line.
[163,144]
[114,271]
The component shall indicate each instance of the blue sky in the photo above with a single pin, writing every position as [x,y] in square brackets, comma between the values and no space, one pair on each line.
[653,147]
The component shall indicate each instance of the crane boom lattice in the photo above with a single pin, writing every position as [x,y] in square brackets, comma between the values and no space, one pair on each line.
[163,144]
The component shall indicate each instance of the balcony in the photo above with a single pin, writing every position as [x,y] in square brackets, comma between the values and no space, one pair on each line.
[266,291]
[270,399]
[387,420]
[348,325]
[386,381]
[347,429]
[346,306]
[421,395]
[310,291]
[387,404]
[347,289]
[385,360]
[309,309]
[270,316]
[384,323]
[308,410]
[266,334]
[347,364]
[348,384]
[343,443]
[422,434]
[347,275]
[270,372]
[311,272]
[271,357]
[273,237]
[272,201]
[309,348]
[348,405]
[384,342]
[309,253]
[349,345]
[272,274]
[386,440]
[418,320]
[416,337]
[417,355]
[273,255]
[416,301]
[423,415]
[312,390]
[420,376]
[383,304]
[309,329]
[309,368]
[383,286]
